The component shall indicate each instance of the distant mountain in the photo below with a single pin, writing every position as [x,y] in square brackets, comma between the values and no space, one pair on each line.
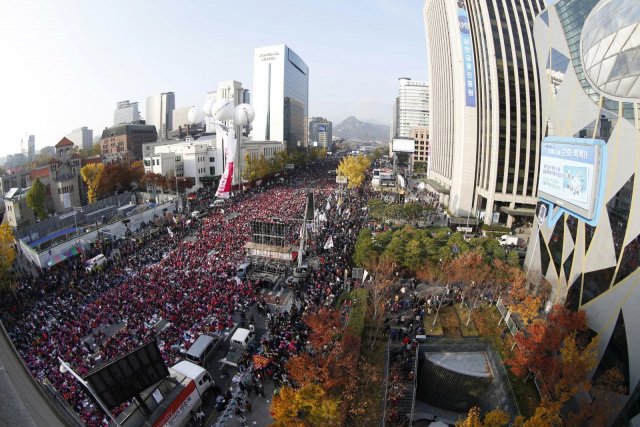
[352,128]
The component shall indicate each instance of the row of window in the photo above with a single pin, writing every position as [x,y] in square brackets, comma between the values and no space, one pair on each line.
[65,189]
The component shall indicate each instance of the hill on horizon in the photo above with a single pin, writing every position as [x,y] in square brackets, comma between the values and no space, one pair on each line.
[352,128]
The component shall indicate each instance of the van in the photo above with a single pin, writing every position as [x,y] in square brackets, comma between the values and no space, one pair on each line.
[243,269]
[203,349]
[197,214]
[242,338]
[95,262]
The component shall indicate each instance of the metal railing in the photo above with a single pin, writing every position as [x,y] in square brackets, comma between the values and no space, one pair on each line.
[385,383]
[415,385]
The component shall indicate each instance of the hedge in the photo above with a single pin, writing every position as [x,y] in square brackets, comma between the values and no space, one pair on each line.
[358,311]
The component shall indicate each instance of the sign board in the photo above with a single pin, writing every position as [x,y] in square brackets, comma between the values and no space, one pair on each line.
[289,166]
[571,174]
[465,229]
[341,179]
[466,49]
[357,273]
[404,145]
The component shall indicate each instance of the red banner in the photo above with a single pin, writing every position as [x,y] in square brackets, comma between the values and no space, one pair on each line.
[260,361]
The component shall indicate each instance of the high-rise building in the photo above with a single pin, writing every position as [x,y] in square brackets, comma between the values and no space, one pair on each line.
[590,88]
[280,96]
[124,142]
[485,106]
[126,112]
[82,137]
[160,112]
[320,133]
[411,108]
[31,153]
[421,154]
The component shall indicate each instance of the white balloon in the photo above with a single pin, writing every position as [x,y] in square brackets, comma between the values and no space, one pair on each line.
[195,116]
[222,109]
[243,115]
[207,107]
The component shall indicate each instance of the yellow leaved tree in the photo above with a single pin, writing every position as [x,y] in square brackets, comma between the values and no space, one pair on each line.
[309,406]
[354,168]
[91,175]
[7,255]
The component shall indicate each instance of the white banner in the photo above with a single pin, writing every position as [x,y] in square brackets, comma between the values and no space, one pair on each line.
[329,243]
[228,138]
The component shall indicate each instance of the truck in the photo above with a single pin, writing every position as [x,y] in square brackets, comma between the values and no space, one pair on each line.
[238,346]
[171,402]
[508,240]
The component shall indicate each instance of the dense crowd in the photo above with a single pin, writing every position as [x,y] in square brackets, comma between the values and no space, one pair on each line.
[87,319]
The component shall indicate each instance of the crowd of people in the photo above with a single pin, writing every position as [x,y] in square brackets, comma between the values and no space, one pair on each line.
[89,318]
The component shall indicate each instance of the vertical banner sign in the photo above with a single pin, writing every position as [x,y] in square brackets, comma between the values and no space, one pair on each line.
[467,54]
[229,140]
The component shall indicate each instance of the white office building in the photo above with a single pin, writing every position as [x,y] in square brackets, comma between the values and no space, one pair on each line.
[280,96]
[485,127]
[411,109]
[82,137]
[126,112]
[160,113]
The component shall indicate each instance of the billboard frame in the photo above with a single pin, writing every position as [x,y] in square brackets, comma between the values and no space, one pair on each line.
[591,215]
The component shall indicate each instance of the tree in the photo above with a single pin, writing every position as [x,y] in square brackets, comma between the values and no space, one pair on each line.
[249,168]
[7,255]
[309,406]
[116,177]
[36,197]
[91,174]
[354,168]
[382,271]
[495,418]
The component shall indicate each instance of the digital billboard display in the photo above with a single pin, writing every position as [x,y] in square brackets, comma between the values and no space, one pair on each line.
[404,145]
[322,128]
[570,174]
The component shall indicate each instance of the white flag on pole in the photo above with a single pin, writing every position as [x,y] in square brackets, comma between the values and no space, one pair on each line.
[364,276]
[170,232]
[329,243]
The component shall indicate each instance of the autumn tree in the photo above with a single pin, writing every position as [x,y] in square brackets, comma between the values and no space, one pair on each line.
[334,357]
[36,197]
[310,406]
[354,168]
[137,171]
[92,174]
[116,177]
[382,270]
[495,418]
[249,168]
[7,255]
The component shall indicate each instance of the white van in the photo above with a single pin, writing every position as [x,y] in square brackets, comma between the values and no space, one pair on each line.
[203,349]
[95,262]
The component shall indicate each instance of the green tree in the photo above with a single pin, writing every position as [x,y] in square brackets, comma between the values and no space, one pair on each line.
[364,249]
[354,168]
[7,255]
[36,197]
[91,175]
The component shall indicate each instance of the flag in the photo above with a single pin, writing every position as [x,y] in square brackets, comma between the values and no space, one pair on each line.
[329,243]
[175,220]
[170,232]
[364,276]
[228,137]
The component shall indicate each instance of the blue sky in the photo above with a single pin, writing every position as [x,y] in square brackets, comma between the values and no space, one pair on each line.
[64,64]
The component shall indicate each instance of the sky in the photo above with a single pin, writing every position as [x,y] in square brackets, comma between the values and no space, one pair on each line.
[64,64]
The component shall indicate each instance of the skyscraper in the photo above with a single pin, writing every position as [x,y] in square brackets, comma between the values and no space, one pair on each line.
[280,96]
[160,112]
[485,106]
[126,112]
[411,108]
[31,148]
[320,133]
[82,137]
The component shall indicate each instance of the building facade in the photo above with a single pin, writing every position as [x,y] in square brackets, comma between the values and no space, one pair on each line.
[593,264]
[411,108]
[64,173]
[159,113]
[485,106]
[321,133]
[17,213]
[421,154]
[82,137]
[117,140]
[126,112]
[31,150]
[280,96]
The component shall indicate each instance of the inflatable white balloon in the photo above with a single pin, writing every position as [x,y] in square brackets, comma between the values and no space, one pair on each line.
[207,107]
[195,115]
[243,115]
[222,110]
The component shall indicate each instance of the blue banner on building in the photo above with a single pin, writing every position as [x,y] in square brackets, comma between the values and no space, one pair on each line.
[467,54]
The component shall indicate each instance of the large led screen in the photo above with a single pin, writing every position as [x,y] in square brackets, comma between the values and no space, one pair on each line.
[570,174]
